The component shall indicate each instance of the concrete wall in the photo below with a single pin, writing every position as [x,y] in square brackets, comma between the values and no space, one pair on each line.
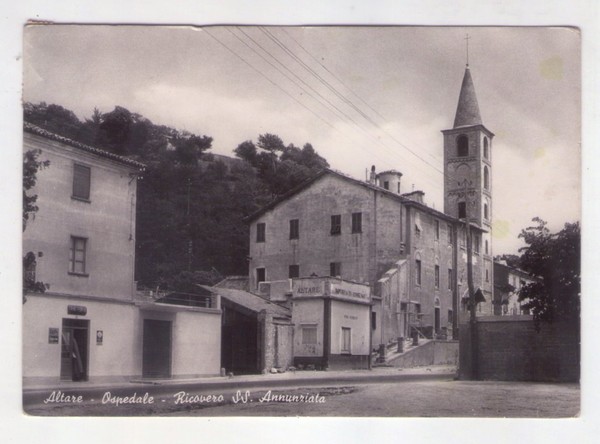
[509,349]
[431,353]
[307,311]
[196,344]
[355,317]
[107,221]
[117,357]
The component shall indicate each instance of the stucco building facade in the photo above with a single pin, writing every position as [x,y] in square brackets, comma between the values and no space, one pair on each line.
[91,324]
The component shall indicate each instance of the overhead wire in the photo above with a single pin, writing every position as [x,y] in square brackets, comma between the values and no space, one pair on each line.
[319,78]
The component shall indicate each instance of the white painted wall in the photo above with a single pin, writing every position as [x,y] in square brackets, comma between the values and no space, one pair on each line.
[307,311]
[355,317]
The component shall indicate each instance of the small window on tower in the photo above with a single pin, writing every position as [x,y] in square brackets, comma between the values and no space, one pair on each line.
[486,151]
[486,178]
[462,210]
[462,146]
[386,185]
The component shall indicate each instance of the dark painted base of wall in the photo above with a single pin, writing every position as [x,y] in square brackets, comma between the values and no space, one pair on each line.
[336,362]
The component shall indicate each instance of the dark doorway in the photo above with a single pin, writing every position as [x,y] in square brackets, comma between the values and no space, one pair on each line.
[240,350]
[74,350]
[156,360]
[437,319]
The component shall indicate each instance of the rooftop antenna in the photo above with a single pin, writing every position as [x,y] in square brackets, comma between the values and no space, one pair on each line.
[467,38]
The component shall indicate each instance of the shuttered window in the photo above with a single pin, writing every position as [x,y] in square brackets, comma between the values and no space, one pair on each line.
[81,182]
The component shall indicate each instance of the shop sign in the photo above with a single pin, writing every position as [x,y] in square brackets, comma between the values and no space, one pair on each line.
[78,310]
[308,287]
[99,337]
[351,291]
[53,335]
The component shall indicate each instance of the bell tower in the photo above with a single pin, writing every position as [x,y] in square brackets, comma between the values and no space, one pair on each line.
[468,175]
[468,161]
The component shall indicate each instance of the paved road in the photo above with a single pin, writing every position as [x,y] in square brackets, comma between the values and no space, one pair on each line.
[431,393]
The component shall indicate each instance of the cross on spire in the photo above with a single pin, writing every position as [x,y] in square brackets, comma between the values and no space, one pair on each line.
[467,38]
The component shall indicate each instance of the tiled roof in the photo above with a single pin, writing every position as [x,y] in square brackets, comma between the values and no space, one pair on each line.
[33,129]
[343,176]
[248,300]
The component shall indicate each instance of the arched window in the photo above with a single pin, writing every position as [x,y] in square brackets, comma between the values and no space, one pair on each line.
[486,178]
[486,152]
[486,214]
[462,146]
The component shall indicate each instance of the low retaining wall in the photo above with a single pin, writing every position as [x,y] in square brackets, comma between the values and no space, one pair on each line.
[509,349]
[432,353]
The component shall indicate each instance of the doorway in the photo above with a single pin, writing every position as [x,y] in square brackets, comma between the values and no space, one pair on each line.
[74,350]
[156,349]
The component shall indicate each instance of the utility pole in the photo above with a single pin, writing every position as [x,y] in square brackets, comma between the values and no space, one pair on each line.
[189,226]
[472,303]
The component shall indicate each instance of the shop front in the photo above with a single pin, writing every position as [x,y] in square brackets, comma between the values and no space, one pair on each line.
[332,322]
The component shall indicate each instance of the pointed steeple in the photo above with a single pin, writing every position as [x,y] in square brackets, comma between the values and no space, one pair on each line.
[467,111]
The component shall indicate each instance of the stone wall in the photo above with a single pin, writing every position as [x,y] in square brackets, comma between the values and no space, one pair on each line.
[431,353]
[509,349]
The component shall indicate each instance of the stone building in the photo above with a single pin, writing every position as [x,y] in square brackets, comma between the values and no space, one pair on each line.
[91,324]
[412,256]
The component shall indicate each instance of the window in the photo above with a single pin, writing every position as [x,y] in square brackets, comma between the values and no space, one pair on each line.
[437,230]
[450,316]
[486,178]
[485,211]
[486,153]
[81,182]
[260,232]
[462,146]
[335,269]
[346,335]
[373,320]
[462,210]
[386,185]
[294,229]
[77,255]
[487,247]
[449,278]
[357,222]
[418,272]
[437,276]
[398,187]
[450,237]
[261,276]
[294,271]
[336,224]
[476,242]
[487,275]
[309,334]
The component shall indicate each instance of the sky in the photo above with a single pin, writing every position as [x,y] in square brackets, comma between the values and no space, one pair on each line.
[361,96]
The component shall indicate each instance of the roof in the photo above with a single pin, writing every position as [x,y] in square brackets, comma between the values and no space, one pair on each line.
[248,300]
[467,111]
[235,282]
[328,171]
[394,172]
[33,129]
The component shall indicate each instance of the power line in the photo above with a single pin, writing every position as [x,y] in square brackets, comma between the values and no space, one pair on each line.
[394,152]
[359,97]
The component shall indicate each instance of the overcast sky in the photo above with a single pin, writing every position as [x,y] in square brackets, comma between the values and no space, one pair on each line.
[361,96]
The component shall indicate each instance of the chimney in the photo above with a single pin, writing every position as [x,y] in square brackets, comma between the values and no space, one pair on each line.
[373,176]
[390,180]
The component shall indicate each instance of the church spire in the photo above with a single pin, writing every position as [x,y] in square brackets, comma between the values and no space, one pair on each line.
[467,111]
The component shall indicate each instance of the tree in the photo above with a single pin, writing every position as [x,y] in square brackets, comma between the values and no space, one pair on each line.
[31,166]
[555,258]
[281,167]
